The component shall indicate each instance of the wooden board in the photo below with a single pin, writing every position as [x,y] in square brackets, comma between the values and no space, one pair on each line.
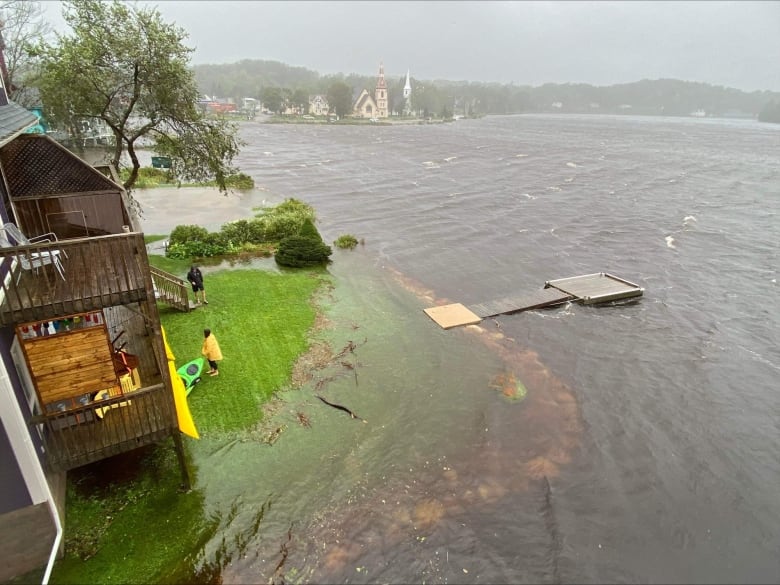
[70,365]
[454,315]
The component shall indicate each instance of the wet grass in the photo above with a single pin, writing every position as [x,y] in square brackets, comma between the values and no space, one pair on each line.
[126,519]
[261,320]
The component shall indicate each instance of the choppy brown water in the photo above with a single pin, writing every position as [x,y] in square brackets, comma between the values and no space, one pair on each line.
[646,447]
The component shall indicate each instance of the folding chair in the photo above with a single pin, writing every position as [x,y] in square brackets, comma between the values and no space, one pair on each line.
[31,260]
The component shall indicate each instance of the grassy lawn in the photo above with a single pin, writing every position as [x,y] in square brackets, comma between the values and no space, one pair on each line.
[126,520]
[260,320]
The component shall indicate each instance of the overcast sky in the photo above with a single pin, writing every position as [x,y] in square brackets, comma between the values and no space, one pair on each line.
[735,44]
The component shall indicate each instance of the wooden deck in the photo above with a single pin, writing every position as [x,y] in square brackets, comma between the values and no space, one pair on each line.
[98,272]
[588,289]
[80,436]
[596,288]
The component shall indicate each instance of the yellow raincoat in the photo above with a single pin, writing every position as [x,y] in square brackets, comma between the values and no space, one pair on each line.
[211,349]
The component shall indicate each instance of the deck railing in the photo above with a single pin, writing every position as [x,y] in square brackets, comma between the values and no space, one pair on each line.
[170,289]
[105,428]
[96,272]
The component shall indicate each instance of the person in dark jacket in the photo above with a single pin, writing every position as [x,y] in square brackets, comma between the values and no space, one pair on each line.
[196,280]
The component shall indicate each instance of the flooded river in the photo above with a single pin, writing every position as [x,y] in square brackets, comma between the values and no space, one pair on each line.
[578,444]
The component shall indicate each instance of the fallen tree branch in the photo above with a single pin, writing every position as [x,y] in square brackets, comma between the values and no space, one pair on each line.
[338,406]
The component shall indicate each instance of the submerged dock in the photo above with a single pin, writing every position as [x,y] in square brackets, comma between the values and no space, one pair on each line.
[589,289]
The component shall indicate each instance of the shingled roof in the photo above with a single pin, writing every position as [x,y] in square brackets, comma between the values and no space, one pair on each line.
[35,165]
[14,119]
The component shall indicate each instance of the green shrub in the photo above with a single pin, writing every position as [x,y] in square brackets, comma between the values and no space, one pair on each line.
[285,219]
[236,231]
[309,231]
[214,244]
[240,181]
[148,176]
[299,251]
[182,234]
[346,242]
[278,227]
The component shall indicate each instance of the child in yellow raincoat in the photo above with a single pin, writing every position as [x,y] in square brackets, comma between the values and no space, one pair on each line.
[211,352]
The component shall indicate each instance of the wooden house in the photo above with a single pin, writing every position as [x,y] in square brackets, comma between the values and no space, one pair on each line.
[83,374]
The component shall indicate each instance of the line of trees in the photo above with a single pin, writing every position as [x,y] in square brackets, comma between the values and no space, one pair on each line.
[670,97]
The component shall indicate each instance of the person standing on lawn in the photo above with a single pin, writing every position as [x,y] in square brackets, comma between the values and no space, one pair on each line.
[211,352]
[196,280]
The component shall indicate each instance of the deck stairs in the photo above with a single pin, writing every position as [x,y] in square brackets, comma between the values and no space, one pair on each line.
[171,290]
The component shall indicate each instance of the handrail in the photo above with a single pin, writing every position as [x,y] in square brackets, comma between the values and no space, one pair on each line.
[98,271]
[80,435]
[170,289]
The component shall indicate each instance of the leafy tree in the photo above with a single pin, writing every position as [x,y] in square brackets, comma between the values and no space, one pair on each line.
[770,112]
[272,99]
[124,66]
[22,23]
[300,99]
[340,98]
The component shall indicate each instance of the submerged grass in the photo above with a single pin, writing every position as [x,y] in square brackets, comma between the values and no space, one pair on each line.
[126,518]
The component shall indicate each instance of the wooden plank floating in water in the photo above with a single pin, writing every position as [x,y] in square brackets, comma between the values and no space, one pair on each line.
[588,289]
[452,315]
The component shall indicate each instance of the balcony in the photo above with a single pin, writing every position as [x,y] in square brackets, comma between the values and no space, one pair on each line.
[97,272]
[104,428]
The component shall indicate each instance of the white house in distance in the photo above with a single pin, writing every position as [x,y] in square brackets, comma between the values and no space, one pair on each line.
[318,105]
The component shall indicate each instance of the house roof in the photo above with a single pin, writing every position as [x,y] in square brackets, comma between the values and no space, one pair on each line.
[14,119]
[36,165]
[363,98]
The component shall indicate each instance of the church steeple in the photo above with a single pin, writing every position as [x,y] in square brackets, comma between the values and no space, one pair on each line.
[407,95]
[380,94]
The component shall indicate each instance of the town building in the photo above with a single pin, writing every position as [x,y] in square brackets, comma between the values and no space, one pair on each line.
[374,105]
[407,108]
[318,105]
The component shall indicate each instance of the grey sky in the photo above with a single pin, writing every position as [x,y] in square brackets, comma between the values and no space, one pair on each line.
[735,44]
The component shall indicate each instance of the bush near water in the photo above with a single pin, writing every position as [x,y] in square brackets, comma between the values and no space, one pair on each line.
[304,249]
[287,227]
[149,177]
[346,242]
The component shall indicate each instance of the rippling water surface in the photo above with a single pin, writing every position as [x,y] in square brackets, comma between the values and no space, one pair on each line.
[647,447]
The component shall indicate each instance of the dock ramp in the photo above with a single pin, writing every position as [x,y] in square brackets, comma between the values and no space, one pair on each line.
[588,289]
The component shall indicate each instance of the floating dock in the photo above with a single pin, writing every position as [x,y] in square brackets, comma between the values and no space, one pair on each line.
[588,289]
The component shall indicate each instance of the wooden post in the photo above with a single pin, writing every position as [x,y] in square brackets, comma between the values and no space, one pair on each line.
[185,476]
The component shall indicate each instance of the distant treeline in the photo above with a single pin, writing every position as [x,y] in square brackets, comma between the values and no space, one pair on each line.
[770,112]
[667,97]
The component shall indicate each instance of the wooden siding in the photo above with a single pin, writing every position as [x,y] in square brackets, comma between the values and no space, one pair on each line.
[71,364]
